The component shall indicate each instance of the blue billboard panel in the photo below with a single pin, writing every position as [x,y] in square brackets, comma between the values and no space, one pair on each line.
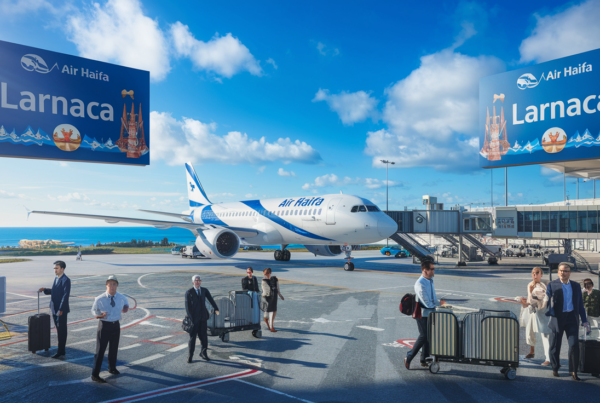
[546,113]
[62,107]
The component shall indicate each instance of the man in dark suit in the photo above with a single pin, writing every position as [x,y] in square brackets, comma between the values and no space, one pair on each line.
[59,304]
[566,307]
[195,307]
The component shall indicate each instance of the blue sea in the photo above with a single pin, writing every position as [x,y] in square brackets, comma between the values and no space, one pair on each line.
[86,236]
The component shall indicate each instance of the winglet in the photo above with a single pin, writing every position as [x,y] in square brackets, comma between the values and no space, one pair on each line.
[28,212]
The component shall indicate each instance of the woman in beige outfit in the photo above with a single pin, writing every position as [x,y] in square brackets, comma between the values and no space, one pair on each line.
[533,314]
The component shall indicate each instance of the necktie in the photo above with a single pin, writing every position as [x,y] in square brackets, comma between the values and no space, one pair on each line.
[112,301]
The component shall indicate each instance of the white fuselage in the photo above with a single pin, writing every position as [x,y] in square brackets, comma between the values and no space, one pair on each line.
[312,220]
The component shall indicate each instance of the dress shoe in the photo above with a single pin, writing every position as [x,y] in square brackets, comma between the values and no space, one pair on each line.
[406,363]
[530,355]
[189,360]
[114,371]
[58,355]
[96,378]
[204,355]
[555,373]
[424,364]
[575,377]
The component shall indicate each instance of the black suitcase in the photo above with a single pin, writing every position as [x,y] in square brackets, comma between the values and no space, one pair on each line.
[39,331]
[589,356]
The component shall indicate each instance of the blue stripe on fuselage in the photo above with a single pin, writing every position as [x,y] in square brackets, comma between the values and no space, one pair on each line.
[258,207]
[209,217]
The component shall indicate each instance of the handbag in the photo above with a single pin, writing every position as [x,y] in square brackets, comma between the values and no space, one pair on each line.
[187,325]
[417,312]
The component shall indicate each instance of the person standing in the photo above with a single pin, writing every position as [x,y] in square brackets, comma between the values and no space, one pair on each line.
[534,315]
[59,304]
[108,307]
[566,307]
[591,302]
[250,283]
[427,299]
[195,308]
[270,293]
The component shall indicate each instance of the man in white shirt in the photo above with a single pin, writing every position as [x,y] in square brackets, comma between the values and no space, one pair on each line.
[108,307]
[427,299]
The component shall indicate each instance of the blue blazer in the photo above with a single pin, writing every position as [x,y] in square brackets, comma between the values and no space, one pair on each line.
[555,295]
[60,294]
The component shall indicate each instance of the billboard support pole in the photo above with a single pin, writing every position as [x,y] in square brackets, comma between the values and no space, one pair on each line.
[492,172]
[577,188]
[564,187]
[505,186]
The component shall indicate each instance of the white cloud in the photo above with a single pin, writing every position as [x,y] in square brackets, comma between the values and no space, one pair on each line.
[260,170]
[118,31]
[250,195]
[325,51]
[272,62]
[177,141]
[376,183]
[222,55]
[432,114]
[334,180]
[19,7]
[9,195]
[75,196]
[571,31]
[63,164]
[351,107]
[283,172]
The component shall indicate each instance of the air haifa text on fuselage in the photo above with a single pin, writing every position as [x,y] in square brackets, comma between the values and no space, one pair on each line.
[302,202]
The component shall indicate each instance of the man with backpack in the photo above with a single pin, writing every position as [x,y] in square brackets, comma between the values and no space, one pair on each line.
[426,302]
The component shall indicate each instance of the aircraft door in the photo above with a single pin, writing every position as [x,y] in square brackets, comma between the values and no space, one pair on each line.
[331,206]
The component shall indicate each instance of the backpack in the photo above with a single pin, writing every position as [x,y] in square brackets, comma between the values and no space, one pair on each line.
[408,303]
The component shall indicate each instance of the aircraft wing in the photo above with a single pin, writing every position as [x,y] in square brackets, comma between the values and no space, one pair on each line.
[241,232]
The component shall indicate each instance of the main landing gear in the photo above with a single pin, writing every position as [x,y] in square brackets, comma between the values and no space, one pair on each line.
[348,266]
[283,255]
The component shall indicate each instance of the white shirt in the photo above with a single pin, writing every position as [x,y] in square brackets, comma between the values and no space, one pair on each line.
[103,304]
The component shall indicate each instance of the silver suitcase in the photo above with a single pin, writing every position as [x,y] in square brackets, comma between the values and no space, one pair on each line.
[500,337]
[225,319]
[242,303]
[471,335]
[442,333]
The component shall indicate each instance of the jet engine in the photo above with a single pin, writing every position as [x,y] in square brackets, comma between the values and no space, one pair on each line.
[324,250]
[218,243]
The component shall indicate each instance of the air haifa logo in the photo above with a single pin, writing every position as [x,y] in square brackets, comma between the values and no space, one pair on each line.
[528,80]
[35,63]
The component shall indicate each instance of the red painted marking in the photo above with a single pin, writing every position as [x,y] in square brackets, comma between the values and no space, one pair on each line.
[13,342]
[512,300]
[79,321]
[172,320]
[138,322]
[186,386]
[407,342]
[158,342]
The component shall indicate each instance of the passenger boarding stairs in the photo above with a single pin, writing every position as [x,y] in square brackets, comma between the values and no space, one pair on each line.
[479,245]
[411,244]
[454,242]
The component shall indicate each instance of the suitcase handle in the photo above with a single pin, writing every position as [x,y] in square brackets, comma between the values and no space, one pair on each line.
[38,293]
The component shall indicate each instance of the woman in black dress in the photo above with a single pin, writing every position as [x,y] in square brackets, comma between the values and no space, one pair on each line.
[270,292]
[250,283]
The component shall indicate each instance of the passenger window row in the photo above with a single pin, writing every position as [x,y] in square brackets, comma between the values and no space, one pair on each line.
[279,213]
[364,209]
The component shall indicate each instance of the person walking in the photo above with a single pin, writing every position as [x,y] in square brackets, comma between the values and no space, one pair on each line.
[108,307]
[59,304]
[427,299]
[591,303]
[195,308]
[566,307]
[250,283]
[270,293]
[534,317]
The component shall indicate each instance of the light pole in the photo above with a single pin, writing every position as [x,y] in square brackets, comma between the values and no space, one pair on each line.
[387,163]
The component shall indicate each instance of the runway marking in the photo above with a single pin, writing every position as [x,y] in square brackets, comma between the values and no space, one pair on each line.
[27,296]
[49,364]
[394,344]
[81,342]
[255,362]
[154,324]
[130,336]
[187,386]
[140,277]
[161,338]
[157,342]
[505,299]
[178,348]
[128,347]
[173,320]
[273,390]
[407,342]
[371,328]
[143,360]
[85,328]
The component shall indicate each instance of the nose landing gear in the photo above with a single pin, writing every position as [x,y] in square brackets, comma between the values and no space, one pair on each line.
[348,266]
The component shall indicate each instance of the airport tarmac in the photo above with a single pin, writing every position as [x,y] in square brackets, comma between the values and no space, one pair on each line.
[341,336]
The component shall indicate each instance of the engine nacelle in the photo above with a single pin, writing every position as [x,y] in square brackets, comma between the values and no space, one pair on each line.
[218,243]
[324,250]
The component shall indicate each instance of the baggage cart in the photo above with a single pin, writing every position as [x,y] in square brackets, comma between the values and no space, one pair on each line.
[486,337]
[38,331]
[238,312]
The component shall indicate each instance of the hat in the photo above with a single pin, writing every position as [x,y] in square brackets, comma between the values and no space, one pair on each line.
[112,277]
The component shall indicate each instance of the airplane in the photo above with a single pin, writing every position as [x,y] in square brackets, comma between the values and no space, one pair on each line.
[326,225]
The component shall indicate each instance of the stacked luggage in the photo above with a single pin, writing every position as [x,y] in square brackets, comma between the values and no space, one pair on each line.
[238,312]
[481,338]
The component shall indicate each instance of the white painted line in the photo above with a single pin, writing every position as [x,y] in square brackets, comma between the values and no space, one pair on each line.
[49,364]
[371,328]
[80,342]
[143,360]
[27,296]
[128,347]
[130,336]
[141,277]
[161,338]
[85,328]
[273,390]
[146,323]
[245,360]
[178,348]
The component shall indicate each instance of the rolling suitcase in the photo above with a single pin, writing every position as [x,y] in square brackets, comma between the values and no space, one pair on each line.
[243,307]
[38,331]
[589,355]
[499,336]
[443,334]
[472,340]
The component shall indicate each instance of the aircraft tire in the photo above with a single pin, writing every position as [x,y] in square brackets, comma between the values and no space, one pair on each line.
[287,255]
[278,255]
[349,266]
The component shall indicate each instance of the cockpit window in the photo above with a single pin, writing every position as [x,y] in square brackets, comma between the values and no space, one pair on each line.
[362,209]
[373,208]
[354,209]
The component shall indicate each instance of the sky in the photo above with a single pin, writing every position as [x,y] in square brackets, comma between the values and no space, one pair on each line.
[288,99]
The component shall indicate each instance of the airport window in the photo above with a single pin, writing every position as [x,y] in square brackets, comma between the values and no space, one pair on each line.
[572,221]
[520,222]
[536,221]
[362,209]
[373,208]
[528,221]
[564,221]
[553,221]
[545,221]
[354,209]
[592,221]
[467,225]
[583,221]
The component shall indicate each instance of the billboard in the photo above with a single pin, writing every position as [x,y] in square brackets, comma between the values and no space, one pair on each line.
[545,113]
[62,107]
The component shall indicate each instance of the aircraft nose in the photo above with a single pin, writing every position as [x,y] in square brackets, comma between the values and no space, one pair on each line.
[386,226]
